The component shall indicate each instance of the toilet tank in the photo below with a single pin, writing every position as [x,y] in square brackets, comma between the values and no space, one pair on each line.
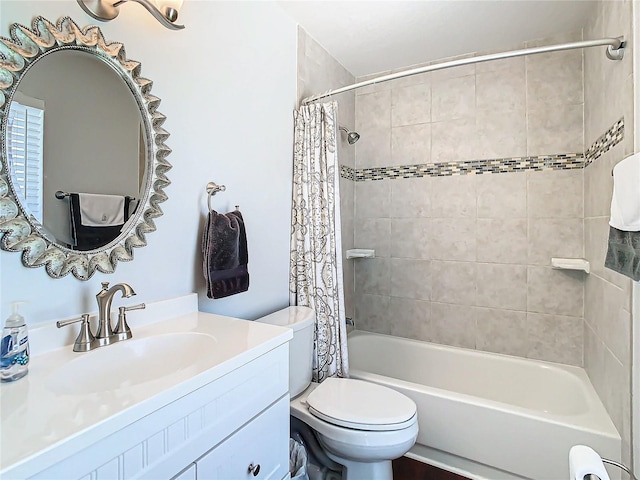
[302,321]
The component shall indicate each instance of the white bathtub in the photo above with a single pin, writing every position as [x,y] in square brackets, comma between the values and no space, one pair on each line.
[486,415]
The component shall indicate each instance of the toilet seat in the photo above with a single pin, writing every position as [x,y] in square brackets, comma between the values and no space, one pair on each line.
[360,405]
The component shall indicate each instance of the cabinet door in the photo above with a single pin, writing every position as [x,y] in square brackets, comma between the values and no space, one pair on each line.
[259,450]
[187,474]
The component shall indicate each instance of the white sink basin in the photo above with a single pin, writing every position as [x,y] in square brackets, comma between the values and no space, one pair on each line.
[174,356]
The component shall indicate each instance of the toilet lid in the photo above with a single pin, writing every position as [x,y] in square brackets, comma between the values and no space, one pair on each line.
[361,405]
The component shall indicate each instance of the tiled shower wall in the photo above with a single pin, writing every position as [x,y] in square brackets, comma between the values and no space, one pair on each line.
[465,260]
[607,329]
[318,72]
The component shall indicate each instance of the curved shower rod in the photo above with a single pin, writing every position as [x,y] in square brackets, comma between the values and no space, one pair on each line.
[615,51]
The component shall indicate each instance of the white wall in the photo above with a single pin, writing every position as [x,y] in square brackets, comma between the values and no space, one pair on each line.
[228,86]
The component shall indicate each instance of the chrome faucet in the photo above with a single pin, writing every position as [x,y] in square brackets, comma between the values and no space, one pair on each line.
[105,334]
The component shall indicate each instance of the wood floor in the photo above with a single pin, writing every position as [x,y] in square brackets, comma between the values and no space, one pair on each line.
[405,468]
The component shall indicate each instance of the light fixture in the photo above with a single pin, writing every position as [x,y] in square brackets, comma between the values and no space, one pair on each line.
[165,11]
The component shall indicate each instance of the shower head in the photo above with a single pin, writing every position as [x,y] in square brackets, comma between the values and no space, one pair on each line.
[352,137]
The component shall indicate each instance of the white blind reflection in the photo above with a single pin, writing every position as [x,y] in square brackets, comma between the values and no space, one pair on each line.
[25,140]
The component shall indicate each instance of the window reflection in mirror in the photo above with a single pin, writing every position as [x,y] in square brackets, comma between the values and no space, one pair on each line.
[25,140]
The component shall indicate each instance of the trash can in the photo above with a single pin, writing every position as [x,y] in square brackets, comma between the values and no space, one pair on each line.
[297,461]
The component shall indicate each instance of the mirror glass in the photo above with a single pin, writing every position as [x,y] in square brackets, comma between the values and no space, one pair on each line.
[74,127]
[83,159]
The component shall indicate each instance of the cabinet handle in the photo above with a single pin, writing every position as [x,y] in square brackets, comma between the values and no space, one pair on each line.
[255,469]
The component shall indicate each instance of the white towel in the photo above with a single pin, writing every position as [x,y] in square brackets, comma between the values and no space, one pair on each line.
[101,210]
[625,204]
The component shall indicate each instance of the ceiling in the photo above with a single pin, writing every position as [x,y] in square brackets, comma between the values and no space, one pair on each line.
[375,36]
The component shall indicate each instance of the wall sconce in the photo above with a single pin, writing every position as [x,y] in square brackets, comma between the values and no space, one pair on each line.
[165,11]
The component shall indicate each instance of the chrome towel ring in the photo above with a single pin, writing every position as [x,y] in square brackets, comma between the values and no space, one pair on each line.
[212,189]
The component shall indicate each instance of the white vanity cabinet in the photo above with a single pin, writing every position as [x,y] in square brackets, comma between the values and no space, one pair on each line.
[192,395]
[256,451]
[215,432]
[188,474]
[259,450]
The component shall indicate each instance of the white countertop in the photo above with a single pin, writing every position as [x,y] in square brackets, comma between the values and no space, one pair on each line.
[41,427]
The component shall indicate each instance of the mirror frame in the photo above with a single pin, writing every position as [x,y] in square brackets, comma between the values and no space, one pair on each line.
[19,232]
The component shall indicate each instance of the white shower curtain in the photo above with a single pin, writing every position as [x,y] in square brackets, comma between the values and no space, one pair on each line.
[316,245]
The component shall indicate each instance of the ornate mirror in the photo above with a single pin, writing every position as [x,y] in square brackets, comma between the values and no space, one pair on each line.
[83,154]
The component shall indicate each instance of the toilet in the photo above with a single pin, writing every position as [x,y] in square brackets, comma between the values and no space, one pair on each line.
[361,426]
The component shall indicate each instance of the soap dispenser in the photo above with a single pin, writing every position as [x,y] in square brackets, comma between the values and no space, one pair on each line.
[14,349]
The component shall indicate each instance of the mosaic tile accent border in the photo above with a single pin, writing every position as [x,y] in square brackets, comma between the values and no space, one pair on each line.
[605,142]
[565,161]
[475,167]
[347,172]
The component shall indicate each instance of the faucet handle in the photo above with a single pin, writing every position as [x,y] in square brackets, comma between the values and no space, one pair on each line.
[85,339]
[122,331]
[105,285]
[140,306]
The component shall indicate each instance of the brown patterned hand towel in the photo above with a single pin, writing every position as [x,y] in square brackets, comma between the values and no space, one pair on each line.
[224,248]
